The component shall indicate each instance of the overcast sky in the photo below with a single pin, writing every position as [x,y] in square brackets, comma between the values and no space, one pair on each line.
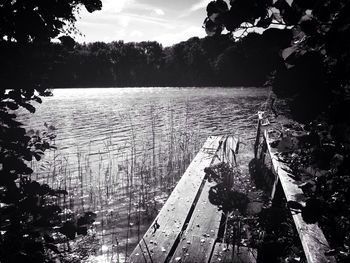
[166,21]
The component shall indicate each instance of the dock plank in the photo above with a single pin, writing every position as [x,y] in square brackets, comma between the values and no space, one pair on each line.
[198,241]
[312,238]
[158,243]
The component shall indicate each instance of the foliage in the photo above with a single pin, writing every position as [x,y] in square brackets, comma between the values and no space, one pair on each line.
[30,215]
[311,39]
[314,47]
[321,167]
[275,236]
[40,20]
[227,193]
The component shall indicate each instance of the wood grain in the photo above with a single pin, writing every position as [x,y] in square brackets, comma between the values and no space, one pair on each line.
[312,238]
[157,244]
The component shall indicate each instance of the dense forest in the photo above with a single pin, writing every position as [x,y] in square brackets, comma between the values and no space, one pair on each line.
[210,61]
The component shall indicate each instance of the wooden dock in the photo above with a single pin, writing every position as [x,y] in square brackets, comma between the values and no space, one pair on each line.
[311,236]
[187,227]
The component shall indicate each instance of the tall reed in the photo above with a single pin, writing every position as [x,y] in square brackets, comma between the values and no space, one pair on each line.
[125,184]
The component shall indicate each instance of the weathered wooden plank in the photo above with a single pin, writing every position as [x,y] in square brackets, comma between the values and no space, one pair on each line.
[312,238]
[165,231]
[222,254]
[198,241]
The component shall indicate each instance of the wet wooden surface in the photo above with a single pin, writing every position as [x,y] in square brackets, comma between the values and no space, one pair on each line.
[312,238]
[198,240]
[162,238]
[187,227]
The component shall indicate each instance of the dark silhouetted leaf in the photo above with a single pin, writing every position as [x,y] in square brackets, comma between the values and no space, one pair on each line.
[294,205]
[69,229]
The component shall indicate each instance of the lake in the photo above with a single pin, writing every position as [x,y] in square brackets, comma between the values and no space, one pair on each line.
[120,151]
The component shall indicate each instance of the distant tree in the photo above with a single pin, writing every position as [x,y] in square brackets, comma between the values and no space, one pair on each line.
[28,209]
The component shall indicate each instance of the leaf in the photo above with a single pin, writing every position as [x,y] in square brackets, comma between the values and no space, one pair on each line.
[264,23]
[312,211]
[45,189]
[290,15]
[278,37]
[67,41]
[69,229]
[53,248]
[288,54]
[82,230]
[277,17]
[211,28]
[294,205]
[93,5]
[38,99]
[309,186]
[32,188]
[29,107]
[28,170]
[11,105]
[218,6]
[37,156]
[308,24]
[38,151]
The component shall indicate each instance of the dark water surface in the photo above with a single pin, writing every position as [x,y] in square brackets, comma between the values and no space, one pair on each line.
[121,150]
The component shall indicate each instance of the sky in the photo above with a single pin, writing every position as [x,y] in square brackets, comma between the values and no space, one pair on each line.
[165,21]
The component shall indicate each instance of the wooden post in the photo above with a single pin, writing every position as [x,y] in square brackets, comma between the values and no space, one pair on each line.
[257,139]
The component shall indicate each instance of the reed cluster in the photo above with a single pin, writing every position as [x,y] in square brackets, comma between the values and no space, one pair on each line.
[127,183]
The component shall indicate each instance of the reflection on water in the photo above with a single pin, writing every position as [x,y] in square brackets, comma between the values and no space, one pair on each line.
[121,150]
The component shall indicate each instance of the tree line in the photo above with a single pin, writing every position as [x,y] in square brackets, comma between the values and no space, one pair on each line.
[210,61]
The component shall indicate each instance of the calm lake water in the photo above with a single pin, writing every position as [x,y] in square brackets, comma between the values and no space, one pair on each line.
[122,150]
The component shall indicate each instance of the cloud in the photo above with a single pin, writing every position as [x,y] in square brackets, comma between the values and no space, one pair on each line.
[115,6]
[136,20]
[136,34]
[200,5]
[171,38]
[195,7]
[159,11]
[123,20]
